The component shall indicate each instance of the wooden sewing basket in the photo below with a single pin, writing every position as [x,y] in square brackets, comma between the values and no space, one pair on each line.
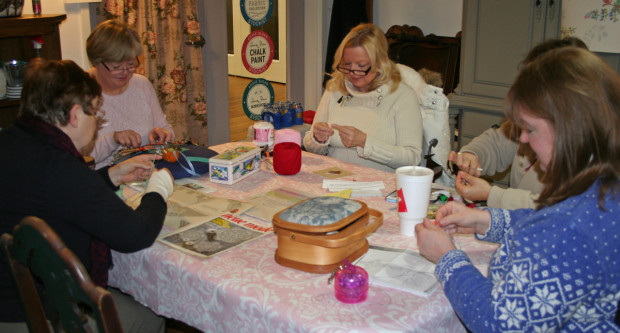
[316,234]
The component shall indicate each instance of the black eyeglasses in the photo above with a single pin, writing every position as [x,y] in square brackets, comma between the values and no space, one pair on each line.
[119,69]
[358,72]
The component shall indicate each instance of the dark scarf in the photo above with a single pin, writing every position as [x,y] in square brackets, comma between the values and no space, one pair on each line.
[53,136]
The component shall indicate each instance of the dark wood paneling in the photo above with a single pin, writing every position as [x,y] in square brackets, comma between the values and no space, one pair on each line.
[16,44]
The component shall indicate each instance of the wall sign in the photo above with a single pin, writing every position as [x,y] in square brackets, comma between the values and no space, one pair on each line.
[256,12]
[256,95]
[257,52]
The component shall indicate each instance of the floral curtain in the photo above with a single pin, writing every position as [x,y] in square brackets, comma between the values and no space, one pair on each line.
[172,61]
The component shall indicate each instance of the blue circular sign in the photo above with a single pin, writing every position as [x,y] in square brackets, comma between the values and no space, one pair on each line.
[256,12]
[258,93]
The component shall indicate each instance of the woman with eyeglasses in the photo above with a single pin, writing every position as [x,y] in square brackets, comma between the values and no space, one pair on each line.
[132,112]
[43,174]
[366,115]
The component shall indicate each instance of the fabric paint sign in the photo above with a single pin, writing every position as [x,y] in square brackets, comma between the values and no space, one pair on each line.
[256,12]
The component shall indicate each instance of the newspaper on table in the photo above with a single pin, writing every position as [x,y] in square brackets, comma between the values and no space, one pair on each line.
[268,204]
[215,236]
[187,206]
[404,270]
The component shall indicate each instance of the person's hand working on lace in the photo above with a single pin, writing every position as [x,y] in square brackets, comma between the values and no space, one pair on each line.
[467,162]
[472,188]
[160,135]
[322,132]
[350,136]
[128,138]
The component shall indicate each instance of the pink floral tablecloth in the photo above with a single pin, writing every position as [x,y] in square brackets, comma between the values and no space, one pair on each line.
[245,290]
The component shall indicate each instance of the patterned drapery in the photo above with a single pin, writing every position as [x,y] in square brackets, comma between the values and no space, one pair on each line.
[172,60]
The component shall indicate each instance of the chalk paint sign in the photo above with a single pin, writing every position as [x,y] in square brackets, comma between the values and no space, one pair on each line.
[257,52]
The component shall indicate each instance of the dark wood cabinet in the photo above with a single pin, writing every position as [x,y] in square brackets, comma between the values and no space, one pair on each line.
[16,43]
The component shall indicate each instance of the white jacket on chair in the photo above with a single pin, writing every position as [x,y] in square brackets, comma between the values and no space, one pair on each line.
[434,107]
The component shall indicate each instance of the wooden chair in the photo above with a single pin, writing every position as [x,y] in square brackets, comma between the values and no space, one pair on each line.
[409,46]
[71,298]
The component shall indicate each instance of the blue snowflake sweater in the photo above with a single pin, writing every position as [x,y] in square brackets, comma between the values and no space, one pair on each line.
[556,269]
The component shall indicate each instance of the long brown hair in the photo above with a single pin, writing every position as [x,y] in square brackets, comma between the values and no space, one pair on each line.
[372,39]
[579,94]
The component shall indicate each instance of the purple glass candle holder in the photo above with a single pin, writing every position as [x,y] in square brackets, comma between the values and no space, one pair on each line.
[351,283]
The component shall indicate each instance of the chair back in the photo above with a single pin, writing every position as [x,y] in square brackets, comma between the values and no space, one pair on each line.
[73,302]
[434,106]
[440,54]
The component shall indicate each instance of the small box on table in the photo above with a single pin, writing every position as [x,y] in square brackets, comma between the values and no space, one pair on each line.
[233,165]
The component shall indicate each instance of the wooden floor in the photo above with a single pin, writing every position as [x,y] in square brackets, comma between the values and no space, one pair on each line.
[239,122]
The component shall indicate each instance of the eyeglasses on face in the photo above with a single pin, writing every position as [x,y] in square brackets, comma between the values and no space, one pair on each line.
[358,72]
[118,69]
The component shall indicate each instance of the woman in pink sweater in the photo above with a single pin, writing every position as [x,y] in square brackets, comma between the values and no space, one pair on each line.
[133,114]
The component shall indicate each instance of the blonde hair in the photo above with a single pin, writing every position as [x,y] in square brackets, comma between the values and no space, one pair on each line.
[112,41]
[371,38]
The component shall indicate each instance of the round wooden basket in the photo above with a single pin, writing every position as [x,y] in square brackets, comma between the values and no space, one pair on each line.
[315,235]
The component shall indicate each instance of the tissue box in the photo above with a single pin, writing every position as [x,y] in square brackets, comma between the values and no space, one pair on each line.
[234,165]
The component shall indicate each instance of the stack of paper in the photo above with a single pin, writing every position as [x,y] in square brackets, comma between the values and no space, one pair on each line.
[400,269]
[358,189]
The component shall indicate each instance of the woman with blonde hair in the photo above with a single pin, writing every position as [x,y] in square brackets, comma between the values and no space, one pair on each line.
[133,114]
[557,267]
[376,118]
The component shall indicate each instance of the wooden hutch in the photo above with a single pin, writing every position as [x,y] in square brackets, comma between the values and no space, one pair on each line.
[16,44]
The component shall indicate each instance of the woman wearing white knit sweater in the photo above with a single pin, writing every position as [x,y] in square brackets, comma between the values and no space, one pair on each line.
[366,116]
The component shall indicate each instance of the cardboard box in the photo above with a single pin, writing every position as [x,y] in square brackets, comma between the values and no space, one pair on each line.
[234,165]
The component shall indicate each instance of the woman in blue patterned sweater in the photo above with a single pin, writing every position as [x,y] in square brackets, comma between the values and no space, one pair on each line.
[557,267]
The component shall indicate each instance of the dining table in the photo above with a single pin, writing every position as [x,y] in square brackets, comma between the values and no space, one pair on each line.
[245,290]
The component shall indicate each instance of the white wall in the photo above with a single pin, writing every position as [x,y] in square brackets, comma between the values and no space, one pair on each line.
[441,17]
[73,31]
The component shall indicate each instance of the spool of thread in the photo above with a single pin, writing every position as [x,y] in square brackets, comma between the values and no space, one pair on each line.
[288,135]
[263,133]
[287,152]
